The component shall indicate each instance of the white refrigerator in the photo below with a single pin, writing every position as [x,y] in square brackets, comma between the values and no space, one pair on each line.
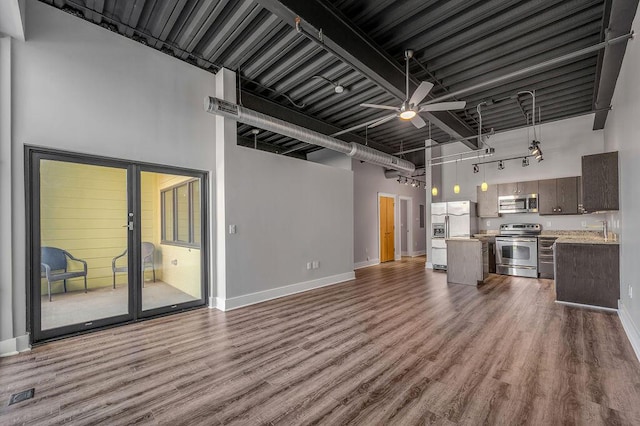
[453,219]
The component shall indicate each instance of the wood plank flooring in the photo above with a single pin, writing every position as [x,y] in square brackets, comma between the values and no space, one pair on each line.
[397,346]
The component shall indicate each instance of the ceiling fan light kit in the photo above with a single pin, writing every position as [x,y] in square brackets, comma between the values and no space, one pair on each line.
[411,108]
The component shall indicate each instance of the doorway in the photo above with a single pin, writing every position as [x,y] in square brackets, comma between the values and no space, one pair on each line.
[111,242]
[387,228]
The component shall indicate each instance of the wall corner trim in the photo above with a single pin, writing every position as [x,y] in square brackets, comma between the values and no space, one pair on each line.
[275,293]
[366,264]
[633,334]
[14,345]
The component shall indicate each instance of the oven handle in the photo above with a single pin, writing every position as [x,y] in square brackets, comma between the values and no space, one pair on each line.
[517,240]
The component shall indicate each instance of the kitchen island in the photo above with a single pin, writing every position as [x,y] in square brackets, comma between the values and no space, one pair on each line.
[467,261]
[587,271]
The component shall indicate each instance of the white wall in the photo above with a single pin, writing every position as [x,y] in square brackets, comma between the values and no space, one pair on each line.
[563,143]
[82,88]
[369,180]
[622,132]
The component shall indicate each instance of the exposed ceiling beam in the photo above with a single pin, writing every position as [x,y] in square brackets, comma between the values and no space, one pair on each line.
[620,21]
[342,38]
[274,109]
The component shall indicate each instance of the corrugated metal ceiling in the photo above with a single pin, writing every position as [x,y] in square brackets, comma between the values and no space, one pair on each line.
[458,43]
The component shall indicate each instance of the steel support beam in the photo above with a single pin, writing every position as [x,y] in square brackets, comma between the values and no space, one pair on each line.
[620,21]
[328,27]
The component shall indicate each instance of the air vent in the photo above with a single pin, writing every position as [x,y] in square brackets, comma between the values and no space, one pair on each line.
[22,396]
[227,107]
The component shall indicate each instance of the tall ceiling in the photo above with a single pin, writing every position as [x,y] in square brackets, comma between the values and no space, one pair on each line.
[457,44]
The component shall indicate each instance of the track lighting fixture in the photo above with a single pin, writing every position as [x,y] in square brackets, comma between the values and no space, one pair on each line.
[539,156]
[476,169]
[525,161]
[500,165]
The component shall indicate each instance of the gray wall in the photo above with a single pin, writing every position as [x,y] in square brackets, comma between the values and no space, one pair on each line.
[82,88]
[622,133]
[369,180]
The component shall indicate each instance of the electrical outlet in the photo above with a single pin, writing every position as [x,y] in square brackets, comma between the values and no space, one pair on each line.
[316,264]
[309,265]
[488,223]
[583,223]
[630,291]
[232,229]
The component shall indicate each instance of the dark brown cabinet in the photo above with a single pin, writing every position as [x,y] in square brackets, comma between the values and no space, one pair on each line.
[588,274]
[558,196]
[518,188]
[488,202]
[600,182]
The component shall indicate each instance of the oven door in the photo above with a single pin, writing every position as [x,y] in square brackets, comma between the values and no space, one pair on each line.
[517,251]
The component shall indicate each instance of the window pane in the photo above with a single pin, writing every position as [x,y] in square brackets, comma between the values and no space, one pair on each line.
[195,196]
[168,215]
[182,201]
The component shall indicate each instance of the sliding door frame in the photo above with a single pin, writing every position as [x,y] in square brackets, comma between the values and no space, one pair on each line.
[33,155]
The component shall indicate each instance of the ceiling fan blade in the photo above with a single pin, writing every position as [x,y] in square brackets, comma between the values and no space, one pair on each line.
[418,122]
[383,120]
[380,106]
[443,106]
[421,92]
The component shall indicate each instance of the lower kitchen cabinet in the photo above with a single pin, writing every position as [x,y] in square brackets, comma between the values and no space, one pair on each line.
[588,274]
[545,257]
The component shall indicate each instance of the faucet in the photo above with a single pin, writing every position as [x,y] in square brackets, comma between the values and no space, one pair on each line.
[605,230]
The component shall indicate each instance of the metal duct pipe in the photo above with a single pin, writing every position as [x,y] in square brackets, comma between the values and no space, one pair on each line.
[352,149]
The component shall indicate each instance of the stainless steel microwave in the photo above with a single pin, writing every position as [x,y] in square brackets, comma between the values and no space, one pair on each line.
[525,203]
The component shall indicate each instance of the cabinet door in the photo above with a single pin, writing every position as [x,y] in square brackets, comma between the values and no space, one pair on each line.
[600,181]
[547,196]
[488,202]
[508,188]
[567,195]
[530,187]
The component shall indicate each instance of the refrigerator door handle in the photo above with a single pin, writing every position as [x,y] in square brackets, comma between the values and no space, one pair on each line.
[446,226]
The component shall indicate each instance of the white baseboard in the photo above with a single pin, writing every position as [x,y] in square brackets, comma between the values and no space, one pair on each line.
[366,264]
[14,346]
[275,293]
[418,253]
[398,257]
[220,304]
[581,305]
[633,334]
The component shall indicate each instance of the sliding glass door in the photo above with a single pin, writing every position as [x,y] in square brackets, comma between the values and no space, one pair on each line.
[111,242]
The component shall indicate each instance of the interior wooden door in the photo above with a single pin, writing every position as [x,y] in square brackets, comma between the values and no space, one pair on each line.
[387,248]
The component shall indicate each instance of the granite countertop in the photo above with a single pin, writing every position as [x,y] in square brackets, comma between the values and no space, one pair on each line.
[585,240]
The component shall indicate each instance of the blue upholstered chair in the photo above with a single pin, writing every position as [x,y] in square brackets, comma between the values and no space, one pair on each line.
[148,250]
[54,267]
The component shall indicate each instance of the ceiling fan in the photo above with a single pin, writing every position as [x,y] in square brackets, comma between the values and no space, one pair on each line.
[410,108]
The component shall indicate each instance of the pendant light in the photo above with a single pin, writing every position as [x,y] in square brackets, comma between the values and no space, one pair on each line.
[456,187]
[484,186]
[434,188]
[434,191]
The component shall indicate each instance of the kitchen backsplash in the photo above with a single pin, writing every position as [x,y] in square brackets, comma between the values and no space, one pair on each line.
[586,222]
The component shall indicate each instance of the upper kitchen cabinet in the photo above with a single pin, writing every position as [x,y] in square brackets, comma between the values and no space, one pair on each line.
[488,201]
[518,188]
[600,182]
[558,196]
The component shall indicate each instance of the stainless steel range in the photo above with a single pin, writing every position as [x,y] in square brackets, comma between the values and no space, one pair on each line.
[517,249]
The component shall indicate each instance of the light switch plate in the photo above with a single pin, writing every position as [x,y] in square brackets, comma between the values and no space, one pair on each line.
[232,229]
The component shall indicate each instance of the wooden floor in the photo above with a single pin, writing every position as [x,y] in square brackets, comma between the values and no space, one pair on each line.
[396,346]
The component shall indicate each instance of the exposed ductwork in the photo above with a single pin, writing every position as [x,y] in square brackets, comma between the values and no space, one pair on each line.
[352,149]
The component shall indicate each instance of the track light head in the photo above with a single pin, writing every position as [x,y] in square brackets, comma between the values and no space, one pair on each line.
[500,165]
[525,161]
[476,169]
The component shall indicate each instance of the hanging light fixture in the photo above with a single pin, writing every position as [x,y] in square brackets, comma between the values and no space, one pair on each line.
[484,186]
[476,169]
[434,191]
[525,161]
[456,187]
[500,165]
